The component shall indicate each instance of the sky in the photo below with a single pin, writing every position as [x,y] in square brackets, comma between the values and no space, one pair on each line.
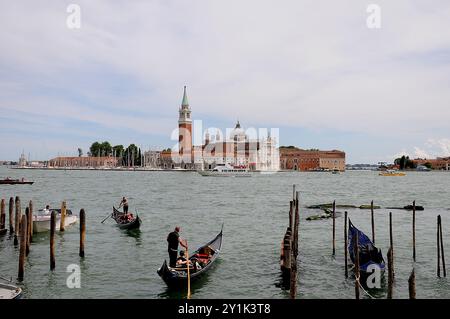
[312,69]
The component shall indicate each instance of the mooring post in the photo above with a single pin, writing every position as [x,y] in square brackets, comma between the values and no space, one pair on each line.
[442,247]
[412,285]
[356,251]
[414,231]
[23,244]
[296,223]
[391,242]
[63,216]
[11,215]
[345,245]
[334,228]
[17,221]
[82,231]
[27,231]
[373,221]
[291,214]
[2,214]
[293,279]
[438,248]
[390,273]
[30,206]
[52,240]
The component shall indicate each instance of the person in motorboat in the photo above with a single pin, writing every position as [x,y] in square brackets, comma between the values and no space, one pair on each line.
[173,239]
[46,210]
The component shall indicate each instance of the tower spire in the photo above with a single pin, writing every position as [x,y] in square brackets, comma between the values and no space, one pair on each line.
[185,99]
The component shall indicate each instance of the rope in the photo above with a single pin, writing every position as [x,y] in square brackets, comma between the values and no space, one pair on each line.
[359,284]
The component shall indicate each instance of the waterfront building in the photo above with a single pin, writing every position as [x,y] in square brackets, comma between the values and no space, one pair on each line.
[439,163]
[293,158]
[84,162]
[152,159]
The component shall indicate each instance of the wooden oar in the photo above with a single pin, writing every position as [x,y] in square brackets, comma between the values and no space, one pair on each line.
[106,218]
[188,275]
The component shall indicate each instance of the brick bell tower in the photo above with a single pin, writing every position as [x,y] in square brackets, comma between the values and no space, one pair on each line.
[185,130]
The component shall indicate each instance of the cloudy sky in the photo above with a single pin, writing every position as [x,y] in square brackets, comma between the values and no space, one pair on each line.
[313,69]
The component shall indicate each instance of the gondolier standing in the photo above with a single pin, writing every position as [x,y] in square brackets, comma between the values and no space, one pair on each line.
[124,203]
[173,240]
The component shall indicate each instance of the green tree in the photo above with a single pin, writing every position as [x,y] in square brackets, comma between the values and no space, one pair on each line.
[118,150]
[106,149]
[95,149]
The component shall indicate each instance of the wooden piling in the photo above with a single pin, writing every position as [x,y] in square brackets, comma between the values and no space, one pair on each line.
[390,273]
[357,274]
[391,242]
[334,228]
[30,206]
[296,225]
[412,285]
[52,240]
[23,244]
[414,231]
[17,221]
[293,279]
[438,248]
[345,245]
[11,215]
[27,231]
[291,213]
[63,216]
[2,214]
[82,231]
[373,222]
[442,247]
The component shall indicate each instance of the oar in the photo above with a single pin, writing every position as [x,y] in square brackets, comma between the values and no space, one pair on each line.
[188,275]
[106,218]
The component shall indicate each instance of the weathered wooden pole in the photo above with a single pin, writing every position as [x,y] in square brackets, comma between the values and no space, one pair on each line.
[356,251]
[11,215]
[27,231]
[23,244]
[52,240]
[30,206]
[412,285]
[414,231]
[82,231]
[390,273]
[345,245]
[334,228]
[373,221]
[442,247]
[63,216]
[291,213]
[438,249]
[17,221]
[2,214]
[293,279]
[296,223]
[391,242]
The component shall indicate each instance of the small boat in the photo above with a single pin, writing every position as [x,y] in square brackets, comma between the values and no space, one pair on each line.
[204,257]
[9,291]
[391,172]
[226,170]
[10,181]
[368,253]
[335,171]
[41,222]
[129,224]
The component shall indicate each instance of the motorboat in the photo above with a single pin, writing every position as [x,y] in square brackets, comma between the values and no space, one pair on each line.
[391,172]
[41,221]
[226,170]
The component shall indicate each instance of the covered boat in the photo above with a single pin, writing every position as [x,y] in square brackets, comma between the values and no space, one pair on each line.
[124,223]
[202,259]
[368,253]
[9,291]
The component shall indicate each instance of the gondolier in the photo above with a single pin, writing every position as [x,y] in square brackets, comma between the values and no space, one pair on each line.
[124,203]
[173,240]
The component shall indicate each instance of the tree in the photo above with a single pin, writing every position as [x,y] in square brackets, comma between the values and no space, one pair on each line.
[106,149]
[80,152]
[118,150]
[95,149]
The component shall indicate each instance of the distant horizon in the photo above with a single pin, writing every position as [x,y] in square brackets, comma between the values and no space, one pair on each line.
[325,78]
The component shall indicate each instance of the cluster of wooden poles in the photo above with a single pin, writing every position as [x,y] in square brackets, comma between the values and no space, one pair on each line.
[289,248]
[390,254]
[21,227]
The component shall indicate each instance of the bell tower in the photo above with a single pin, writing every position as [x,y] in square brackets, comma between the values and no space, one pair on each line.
[185,130]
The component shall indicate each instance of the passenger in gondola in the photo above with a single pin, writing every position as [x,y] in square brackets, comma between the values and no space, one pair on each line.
[181,261]
[173,239]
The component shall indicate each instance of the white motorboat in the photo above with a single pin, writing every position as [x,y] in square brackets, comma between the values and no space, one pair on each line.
[41,222]
[226,170]
[8,291]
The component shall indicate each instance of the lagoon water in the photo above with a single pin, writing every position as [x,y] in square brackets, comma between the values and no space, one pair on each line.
[255,215]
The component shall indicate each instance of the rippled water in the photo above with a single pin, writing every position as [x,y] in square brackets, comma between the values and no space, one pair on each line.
[255,214]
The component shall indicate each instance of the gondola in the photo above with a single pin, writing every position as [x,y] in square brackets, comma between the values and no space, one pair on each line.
[204,257]
[133,224]
[368,253]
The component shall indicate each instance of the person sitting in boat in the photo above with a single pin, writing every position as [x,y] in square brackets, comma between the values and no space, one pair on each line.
[46,210]
[181,261]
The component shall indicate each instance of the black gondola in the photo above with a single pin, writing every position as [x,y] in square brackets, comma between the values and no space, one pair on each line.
[368,254]
[133,224]
[204,257]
